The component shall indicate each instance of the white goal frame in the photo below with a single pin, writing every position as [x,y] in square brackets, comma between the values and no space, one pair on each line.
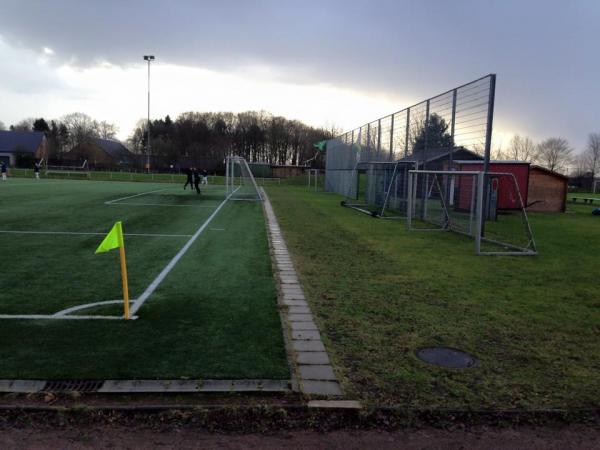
[234,184]
[477,216]
[68,170]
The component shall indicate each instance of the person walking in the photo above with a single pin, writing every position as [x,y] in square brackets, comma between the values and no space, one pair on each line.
[3,170]
[204,177]
[197,177]
[189,172]
[36,170]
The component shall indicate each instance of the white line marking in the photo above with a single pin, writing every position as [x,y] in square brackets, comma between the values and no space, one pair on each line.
[35,183]
[158,204]
[217,229]
[48,316]
[161,276]
[137,304]
[68,311]
[77,233]
[131,196]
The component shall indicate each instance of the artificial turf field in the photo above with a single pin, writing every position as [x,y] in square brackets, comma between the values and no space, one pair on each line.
[214,315]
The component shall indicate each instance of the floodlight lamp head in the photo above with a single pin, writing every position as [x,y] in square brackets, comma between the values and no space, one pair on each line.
[148,57]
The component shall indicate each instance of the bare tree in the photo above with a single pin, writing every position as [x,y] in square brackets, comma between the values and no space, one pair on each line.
[591,156]
[106,130]
[81,127]
[521,149]
[23,125]
[554,154]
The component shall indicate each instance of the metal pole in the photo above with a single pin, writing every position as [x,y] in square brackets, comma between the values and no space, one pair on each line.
[488,148]
[425,186]
[449,199]
[407,132]
[148,142]
[378,137]
[409,201]
[148,58]
[452,125]
[227,176]
[392,139]
[479,223]
[369,140]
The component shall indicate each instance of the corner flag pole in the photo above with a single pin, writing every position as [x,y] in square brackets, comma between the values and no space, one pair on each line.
[124,272]
[114,239]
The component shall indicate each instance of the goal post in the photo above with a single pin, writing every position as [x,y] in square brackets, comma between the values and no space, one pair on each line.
[68,171]
[239,181]
[456,201]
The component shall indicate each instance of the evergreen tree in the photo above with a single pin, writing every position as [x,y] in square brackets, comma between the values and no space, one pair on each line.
[434,135]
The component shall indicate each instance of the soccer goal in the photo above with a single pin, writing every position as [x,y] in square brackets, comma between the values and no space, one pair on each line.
[239,181]
[485,207]
[67,171]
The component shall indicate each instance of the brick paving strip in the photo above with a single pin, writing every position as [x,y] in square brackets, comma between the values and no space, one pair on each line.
[312,371]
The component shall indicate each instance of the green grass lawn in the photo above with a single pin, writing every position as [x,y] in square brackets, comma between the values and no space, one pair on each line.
[380,293]
[213,316]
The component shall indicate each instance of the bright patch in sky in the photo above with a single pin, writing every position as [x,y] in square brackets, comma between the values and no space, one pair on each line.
[118,94]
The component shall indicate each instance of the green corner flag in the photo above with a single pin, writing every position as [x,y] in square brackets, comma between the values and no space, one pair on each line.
[114,239]
[321,145]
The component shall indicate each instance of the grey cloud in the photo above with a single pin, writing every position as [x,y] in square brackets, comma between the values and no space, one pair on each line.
[540,49]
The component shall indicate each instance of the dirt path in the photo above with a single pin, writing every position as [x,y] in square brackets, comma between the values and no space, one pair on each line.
[573,437]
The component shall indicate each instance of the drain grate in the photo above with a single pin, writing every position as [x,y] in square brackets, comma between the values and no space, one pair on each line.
[73,386]
[447,357]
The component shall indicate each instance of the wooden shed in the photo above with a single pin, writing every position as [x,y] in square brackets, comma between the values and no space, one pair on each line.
[547,190]
[508,196]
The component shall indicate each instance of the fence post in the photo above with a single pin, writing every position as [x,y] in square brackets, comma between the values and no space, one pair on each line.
[407,134]
[488,145]
[378,137]
[409,201]
[392,139]
[481,176]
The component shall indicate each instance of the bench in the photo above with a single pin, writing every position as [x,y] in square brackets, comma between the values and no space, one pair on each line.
[589,200]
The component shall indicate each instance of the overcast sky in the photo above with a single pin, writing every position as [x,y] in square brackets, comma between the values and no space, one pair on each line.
[327,63]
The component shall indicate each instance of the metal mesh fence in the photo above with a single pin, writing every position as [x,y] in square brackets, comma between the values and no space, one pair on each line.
[460,118]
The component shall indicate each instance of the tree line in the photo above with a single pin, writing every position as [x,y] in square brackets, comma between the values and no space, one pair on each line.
[67,132]
[556,154]
[199,138]
[193,138]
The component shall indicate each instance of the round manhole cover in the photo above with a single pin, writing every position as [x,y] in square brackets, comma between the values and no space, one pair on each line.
[446,357]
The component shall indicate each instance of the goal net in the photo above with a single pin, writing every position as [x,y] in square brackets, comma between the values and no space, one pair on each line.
[487,208]
[68,171]
[239,181]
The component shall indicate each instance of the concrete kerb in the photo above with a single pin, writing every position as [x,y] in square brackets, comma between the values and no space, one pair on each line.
[312,373]
[144,386]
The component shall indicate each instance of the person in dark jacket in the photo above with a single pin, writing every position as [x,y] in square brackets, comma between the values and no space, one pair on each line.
[3,170]
[189,172]
[36,170]
[197,179]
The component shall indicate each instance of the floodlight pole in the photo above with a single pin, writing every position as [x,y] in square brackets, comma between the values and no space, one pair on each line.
[148,58]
